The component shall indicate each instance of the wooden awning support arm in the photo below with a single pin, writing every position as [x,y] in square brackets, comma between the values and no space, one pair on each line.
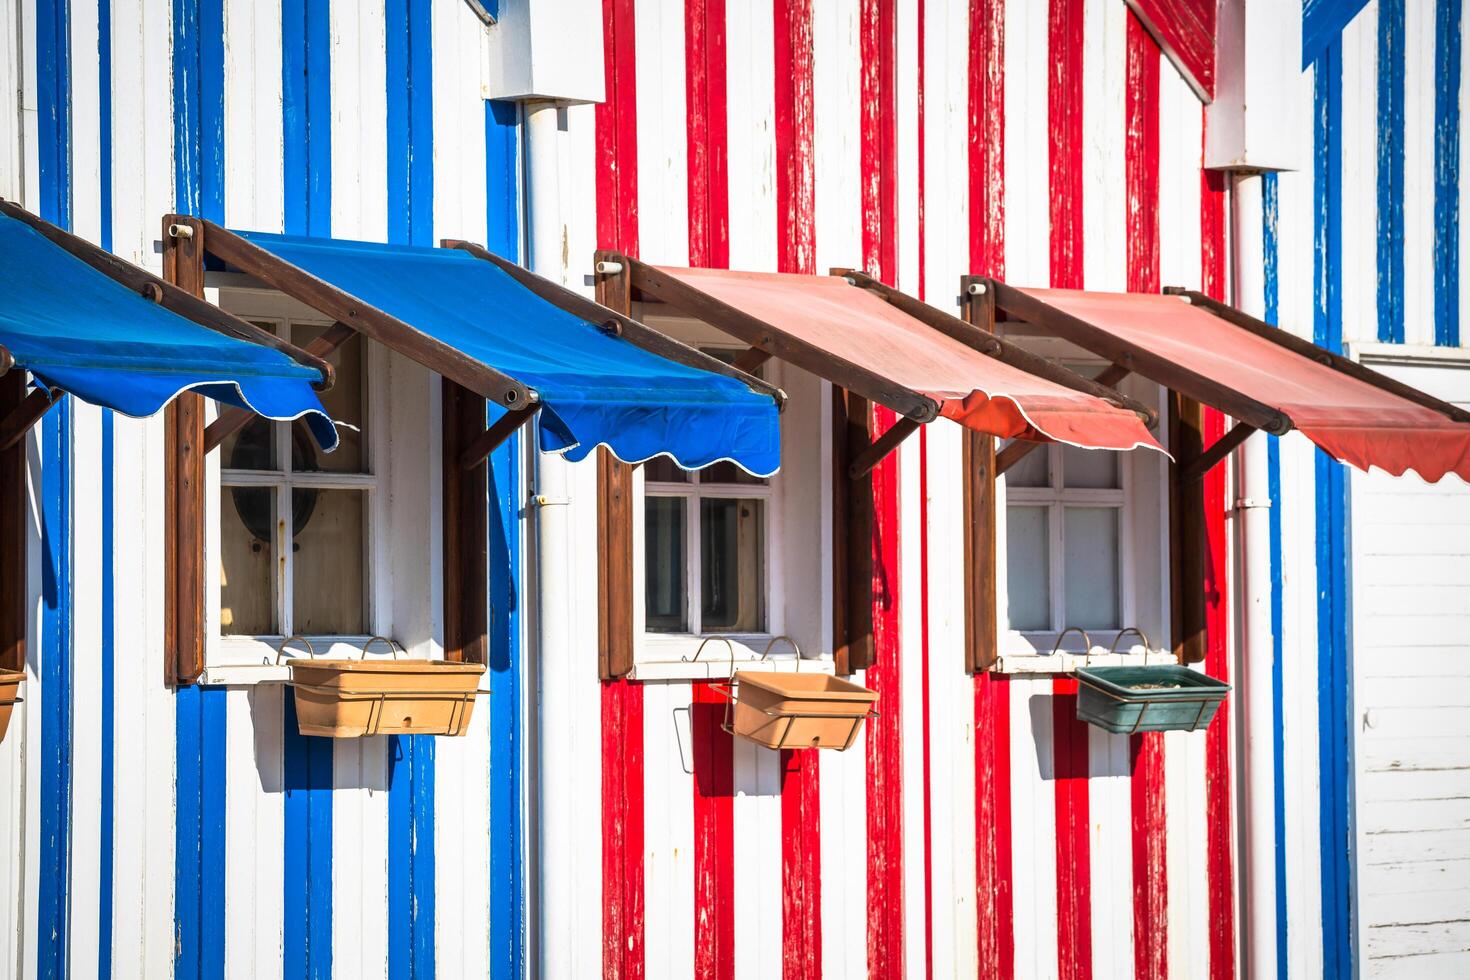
[14,426]
[1017,451]
[1195,469]
[492,438]
[862,464]
[233,419]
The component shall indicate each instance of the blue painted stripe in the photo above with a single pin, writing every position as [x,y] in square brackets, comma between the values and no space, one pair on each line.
[199,713]
[1391,171]
[54,667]
[411,758]
[1271,251]
[1333,667]
[307,872]
[306,909]
[1447,173]
[306,113]
[108,720]
[505,826]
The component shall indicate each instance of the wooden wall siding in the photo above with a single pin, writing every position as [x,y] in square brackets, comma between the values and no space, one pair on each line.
[956,796]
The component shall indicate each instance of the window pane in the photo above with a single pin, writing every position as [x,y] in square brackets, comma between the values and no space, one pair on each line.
[732,565]
[1032,471]
[664,570]
[729,473]
[343,402]
[247,518]
[329,571]
[1090,575]
[252,447]
[1093,469]
[661,469]
[1028,567]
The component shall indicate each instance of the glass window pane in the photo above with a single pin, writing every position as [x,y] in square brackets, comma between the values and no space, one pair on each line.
[661,469]
[343,402]
[1033,470]
[729,473]
[664,570]
[1093,469]
[329,571]
[252,447]
[1028,567]
[1090,575]
[247,518]
[732,565]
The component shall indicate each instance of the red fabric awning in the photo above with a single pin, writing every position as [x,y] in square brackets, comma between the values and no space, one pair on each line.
[1353,420]
[977,391]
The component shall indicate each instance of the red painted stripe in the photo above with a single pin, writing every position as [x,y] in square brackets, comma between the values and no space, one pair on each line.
[987,137]
[622,830]
[708,133]
[1069,749]
[1074,851]
[1064,98]
[1141,165]
[714,837]
[993,902]
[616,143]
[877,37]
[1218,818]
[796,204]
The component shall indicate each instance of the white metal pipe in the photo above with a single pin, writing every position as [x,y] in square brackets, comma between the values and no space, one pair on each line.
[553,656]
[1252,520]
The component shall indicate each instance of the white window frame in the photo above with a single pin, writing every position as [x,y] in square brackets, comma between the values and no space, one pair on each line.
[1142,502]
[244,660]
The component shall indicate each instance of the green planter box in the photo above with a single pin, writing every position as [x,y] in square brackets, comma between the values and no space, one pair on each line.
[1159,698]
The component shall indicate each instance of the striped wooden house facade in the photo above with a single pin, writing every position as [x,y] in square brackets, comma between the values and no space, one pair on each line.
[590,827]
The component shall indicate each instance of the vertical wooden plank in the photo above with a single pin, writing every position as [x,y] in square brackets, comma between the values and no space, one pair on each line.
[977,482]
[614,530]
[183,265]
[12,532]
[466,541]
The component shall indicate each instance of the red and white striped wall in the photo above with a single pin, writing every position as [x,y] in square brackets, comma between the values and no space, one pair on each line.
[976,828]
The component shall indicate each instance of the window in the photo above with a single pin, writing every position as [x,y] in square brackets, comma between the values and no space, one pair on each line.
[314,580]
[704,538]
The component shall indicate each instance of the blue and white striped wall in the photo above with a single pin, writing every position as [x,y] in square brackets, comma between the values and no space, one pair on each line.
[195,834]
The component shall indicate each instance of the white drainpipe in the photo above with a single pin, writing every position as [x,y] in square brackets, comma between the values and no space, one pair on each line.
[555,827]
[1253,684]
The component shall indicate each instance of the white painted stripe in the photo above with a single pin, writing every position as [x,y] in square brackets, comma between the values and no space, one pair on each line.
[254,830]
[253,126]
[1419,150]
[1360,176]
[836,135]
[1110,844]
[1104,171]
[663,171]
[1033,828]
[911,661]
[668,831]
[359,113]
[757,848]
[750,80]
[1027,182]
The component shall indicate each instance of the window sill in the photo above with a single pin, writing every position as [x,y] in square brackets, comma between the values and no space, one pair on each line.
[1067,663]
[677,657]
[244,661]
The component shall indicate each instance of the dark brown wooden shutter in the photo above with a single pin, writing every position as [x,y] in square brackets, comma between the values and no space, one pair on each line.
[614,566]
[466,529]
[183,628]
[1187,545]
[852,536]
[978,489]
[12,531]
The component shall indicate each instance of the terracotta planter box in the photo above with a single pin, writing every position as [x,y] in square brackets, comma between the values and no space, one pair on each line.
[10,681]
[797,711]
[354,698]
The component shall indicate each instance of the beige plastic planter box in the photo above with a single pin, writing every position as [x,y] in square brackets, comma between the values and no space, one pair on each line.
[10,681]
[797,711]
[354,698]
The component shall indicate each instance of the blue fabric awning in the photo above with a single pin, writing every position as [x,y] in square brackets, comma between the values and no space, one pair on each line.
[594,388]
[76,329]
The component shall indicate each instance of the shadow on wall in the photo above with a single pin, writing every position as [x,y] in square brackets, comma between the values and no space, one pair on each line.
[1067,753]
[357,763]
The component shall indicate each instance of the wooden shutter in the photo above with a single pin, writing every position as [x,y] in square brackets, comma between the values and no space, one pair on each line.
[466,529]
[12,531]
[614,528]
[978,478]
[1188,548]
[852,535]
[183,628]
